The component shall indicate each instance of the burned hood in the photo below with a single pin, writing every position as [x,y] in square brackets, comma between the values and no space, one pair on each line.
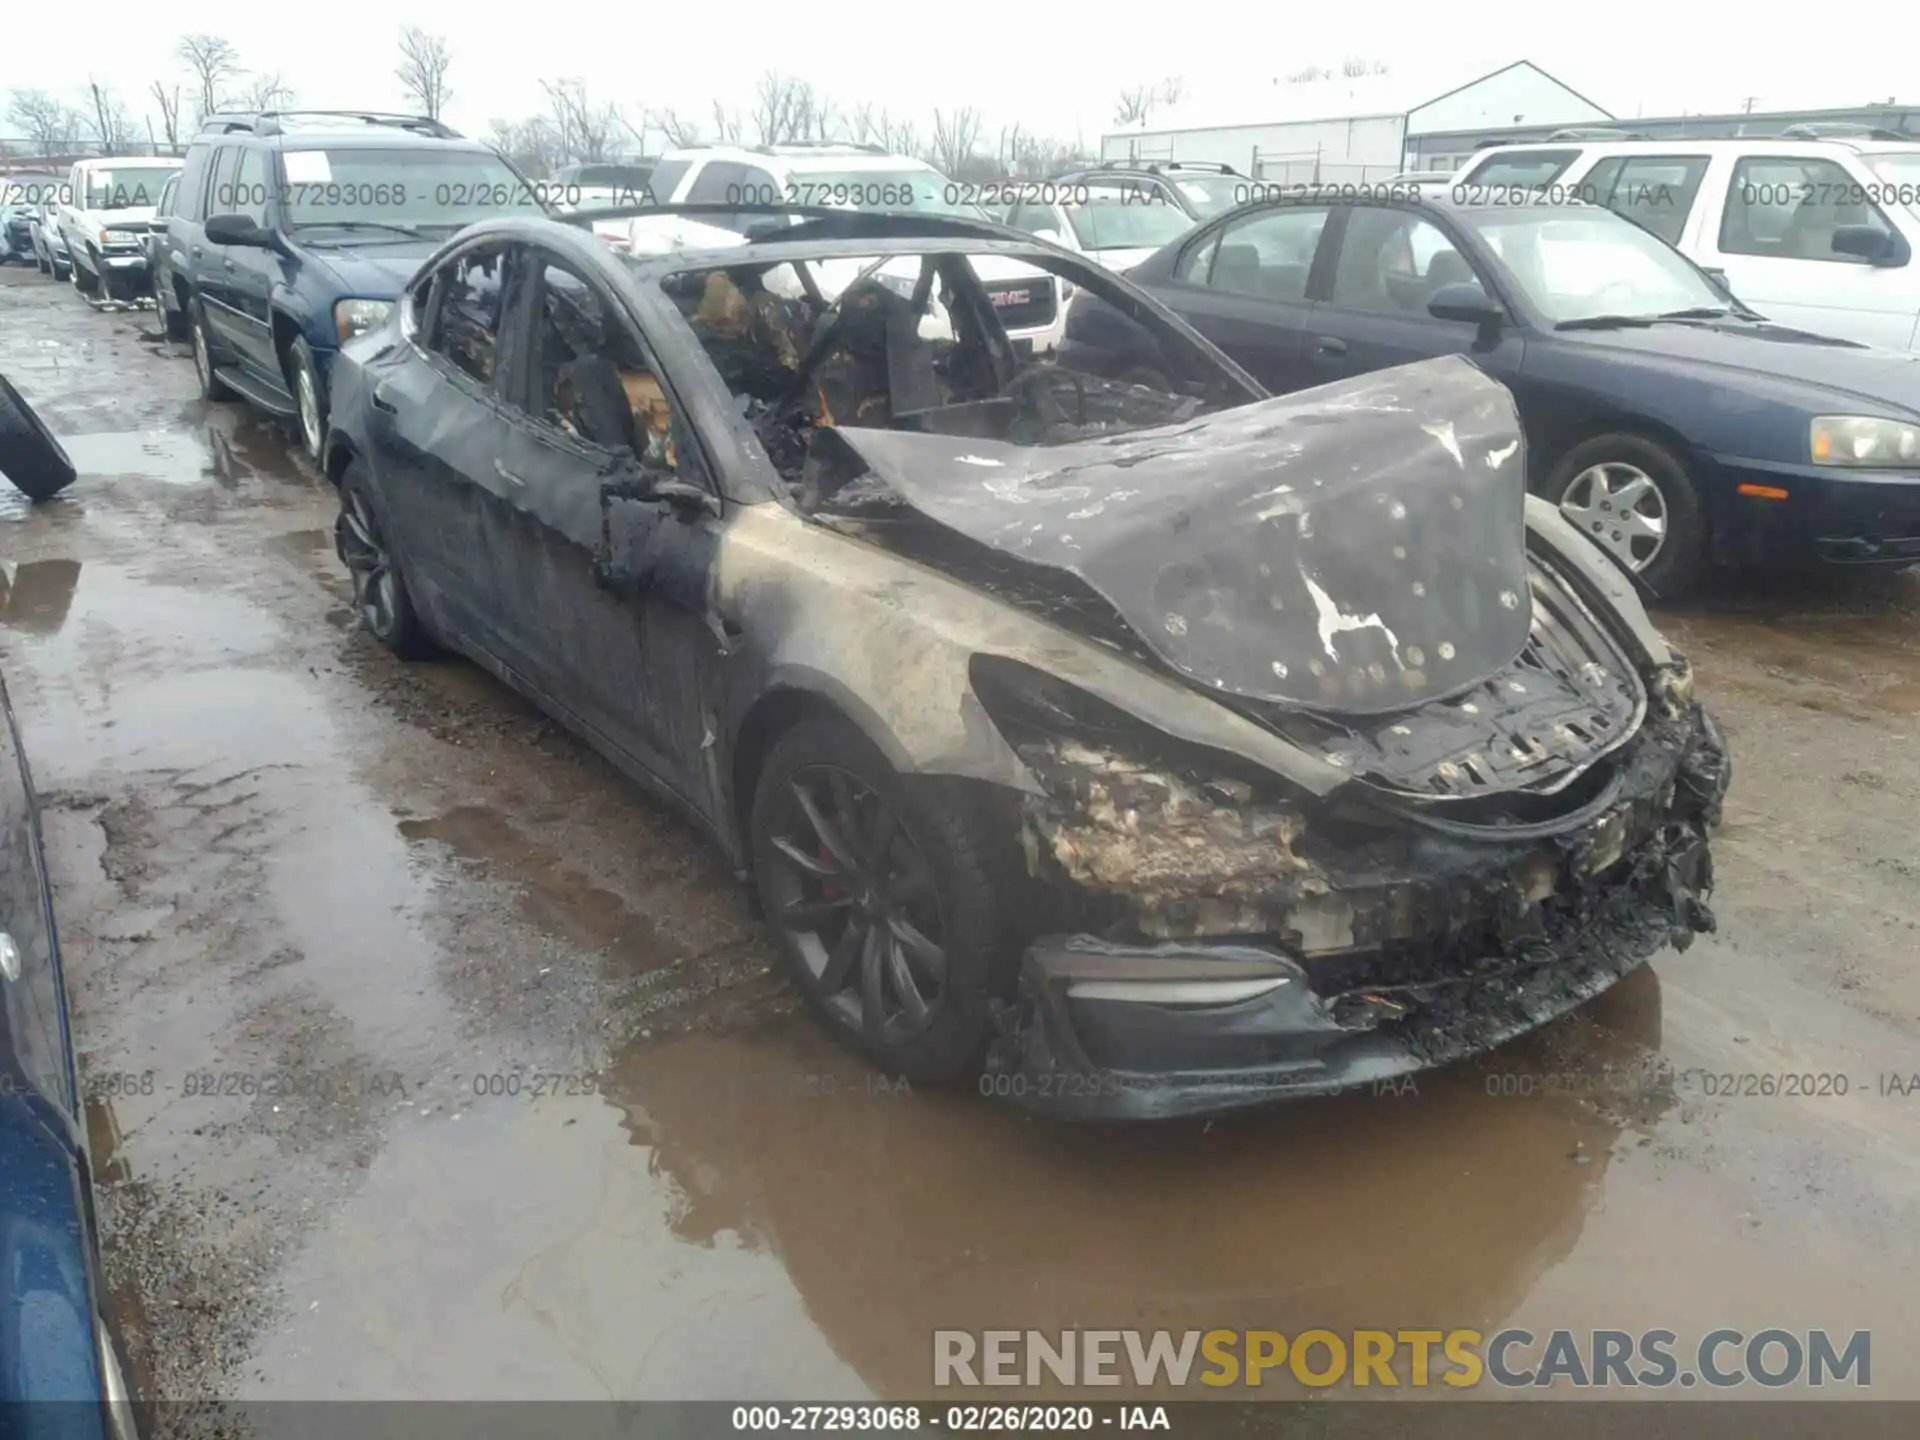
[1359,547]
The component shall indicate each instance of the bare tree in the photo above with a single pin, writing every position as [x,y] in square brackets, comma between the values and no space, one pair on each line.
[213,62]
[169,102]
[784,109]
[1354,66]
[266,90]
[422,72]
[727,125]
[954,148]
[1172,90]
[584,130]
[51,125]
[107,117]
[1307,74]
[1135,104]
[678,130]
[531,144]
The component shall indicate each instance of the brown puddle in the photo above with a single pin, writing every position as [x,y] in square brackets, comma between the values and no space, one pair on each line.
[553,896]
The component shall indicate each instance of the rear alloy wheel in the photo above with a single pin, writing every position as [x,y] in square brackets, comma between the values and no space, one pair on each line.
[1635,500]
[380,596]
[887,913]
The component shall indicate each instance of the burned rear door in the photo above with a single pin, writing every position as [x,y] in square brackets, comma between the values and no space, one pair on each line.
[595,415]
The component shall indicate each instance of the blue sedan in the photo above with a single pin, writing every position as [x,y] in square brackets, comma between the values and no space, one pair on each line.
[1673,425]
[59,1378]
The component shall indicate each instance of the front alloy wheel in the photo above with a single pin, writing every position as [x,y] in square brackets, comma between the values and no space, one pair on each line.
[855,896]
[1620,508]
[380,595]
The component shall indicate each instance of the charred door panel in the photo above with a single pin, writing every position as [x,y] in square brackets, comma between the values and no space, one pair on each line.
[657,563]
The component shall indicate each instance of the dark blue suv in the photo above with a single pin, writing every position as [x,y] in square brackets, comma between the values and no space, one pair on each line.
[290,232]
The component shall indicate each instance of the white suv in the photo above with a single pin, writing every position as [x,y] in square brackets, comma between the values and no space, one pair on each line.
[1818,234]
[855,177]
[102,216]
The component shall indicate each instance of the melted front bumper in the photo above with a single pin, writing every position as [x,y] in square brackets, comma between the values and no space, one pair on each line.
[1105,1030]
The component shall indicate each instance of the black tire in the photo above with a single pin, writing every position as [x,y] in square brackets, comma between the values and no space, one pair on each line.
[59,271]
[173,320]
[86,281]
[212,387]
[303,371]
[954,889]
[361,538]
[1679,562]
[44,265]
[30,456]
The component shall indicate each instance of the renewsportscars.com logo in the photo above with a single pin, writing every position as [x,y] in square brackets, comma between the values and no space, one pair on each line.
[1510,1359]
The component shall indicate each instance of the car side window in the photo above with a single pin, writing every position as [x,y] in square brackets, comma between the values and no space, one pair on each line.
[1197,263]
[718,183]
[591,379]
[1655,192]
[167,193]
[1269,255]
[250,186]
[1525,169]
[190,198]
[1391,262]
[1790,208]
[467,331]
[665,180]
[226,161]
[1033,217]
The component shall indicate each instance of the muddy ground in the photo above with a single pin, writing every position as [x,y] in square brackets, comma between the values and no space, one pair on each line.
[379,890]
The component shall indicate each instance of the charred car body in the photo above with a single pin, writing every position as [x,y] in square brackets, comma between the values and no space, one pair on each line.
[1162,750]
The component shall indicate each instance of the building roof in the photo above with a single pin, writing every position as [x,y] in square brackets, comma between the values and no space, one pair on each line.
[1276,100]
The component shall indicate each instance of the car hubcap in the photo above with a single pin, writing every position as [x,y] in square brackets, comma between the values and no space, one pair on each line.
[309,412]
[1620,508]
[856,897]
[375,592]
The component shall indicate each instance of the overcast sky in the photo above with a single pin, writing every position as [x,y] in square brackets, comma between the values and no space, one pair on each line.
[1053,68]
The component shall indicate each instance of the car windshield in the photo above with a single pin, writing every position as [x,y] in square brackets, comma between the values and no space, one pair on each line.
[127,187]
[1901,171]
[924,192]
[1211,194]
[405,190]
[1116,217]
[1585,265]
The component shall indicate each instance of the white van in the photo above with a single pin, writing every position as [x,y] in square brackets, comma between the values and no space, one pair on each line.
[1818,234]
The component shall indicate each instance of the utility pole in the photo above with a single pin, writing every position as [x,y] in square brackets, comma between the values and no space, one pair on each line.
[1750,103]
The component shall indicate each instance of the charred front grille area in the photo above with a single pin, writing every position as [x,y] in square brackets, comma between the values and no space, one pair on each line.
[1389,944]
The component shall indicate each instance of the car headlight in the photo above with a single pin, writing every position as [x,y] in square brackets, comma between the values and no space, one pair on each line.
[1864,440]
[120,237]
[357,317]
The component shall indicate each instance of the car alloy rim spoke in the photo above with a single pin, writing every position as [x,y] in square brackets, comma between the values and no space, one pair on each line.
[828,833]
[813,914]
[886,824]
[821,867]
[872,962]
[844,951]
[918,949]
[901,974]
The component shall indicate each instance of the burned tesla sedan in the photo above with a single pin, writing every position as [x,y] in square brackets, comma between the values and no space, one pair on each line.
[1159,751]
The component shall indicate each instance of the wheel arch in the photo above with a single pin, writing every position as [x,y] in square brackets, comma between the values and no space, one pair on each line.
[790,701]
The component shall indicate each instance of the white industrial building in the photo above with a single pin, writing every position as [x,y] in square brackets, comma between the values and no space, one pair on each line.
[1339,129]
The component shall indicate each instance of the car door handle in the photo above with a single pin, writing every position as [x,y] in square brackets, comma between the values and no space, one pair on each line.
[196,250]
[500,469]
[1329,346]
[382,403]
[228,264]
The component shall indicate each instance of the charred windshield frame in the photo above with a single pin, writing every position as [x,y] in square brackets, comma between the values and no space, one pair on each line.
[1206,380]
